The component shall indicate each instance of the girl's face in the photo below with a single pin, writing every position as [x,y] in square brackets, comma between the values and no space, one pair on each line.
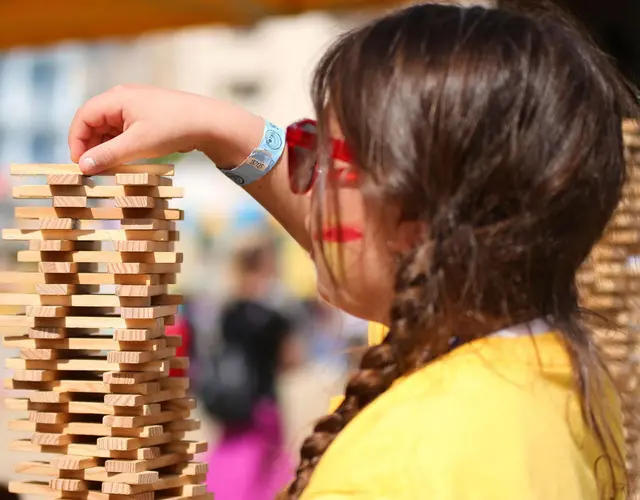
[356,242]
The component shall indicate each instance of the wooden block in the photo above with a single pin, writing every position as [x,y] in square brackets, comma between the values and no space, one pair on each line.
[148,312]
[73,462]
[133,400]
[103,213]
[136,466]
[53,169]
[49,397]
[51,245]
[137,334]
[101,257]
[144,246]
[70,485]
[103,343]
[84,235]
[129,378]
[33,353]
[57,267]
[141,268]
[86,279]
[147,224]
[140,290]
[140,179]
[65,179]
[39,192]
[47,332]
[165,482]
[55,289]
[93,364]
[34,375]
[69,201]
[67,224]
[135,202]
[46,439]
[136,357]
[46,311]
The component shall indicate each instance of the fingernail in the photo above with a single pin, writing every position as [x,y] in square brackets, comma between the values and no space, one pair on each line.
[88,163]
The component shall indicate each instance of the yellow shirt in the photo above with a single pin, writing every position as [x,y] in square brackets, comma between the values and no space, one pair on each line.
[495,419]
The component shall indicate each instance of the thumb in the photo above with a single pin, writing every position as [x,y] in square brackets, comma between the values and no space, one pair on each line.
[123,148]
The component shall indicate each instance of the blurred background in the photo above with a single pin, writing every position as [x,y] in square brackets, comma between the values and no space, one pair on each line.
[259,53]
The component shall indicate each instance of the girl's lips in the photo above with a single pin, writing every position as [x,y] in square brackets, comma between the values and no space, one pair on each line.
[341,234]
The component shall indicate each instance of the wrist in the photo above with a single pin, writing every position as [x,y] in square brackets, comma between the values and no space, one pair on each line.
[229,133]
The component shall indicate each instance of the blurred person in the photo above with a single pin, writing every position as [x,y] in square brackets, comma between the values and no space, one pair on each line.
[463,164]
[238,385]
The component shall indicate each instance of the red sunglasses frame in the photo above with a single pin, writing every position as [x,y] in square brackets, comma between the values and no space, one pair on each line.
[298,136]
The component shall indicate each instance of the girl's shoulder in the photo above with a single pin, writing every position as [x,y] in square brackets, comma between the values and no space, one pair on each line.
[491,410]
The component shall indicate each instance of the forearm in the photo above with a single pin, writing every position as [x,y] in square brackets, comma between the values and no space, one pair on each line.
[231,145]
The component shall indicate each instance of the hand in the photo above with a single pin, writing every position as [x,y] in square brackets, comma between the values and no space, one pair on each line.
[132,122]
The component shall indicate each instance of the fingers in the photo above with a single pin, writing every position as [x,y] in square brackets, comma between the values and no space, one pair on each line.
[101,114]
[123,148]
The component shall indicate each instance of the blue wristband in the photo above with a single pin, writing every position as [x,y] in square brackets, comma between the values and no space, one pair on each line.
[262,159]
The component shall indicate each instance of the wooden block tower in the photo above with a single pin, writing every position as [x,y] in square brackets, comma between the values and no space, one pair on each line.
[104,419]
[610,285]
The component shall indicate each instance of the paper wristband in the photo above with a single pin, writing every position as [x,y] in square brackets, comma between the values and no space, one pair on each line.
[262,159]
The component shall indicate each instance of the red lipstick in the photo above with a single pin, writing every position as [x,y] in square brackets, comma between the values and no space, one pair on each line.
[341,234]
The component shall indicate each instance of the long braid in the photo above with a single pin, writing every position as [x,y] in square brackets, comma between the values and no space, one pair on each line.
[381,365]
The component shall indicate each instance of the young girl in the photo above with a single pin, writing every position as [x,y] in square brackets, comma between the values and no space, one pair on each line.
[464,163]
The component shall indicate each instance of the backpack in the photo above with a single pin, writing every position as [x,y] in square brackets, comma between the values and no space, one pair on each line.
[227,385]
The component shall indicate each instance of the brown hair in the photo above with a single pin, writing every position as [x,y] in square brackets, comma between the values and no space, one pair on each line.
[502,132]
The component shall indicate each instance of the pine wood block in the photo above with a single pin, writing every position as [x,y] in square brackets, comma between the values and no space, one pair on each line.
[140,179]
[101,257]
[69,201]
[67,224]
[90,450]
[134,400]
[147,224]
[79,407]
[136,466]
[57,169]
[187,447]
[46,332]
[26,344]
[32,299]
[65,179]
[136,357]
[43,489]
[101,213]
[97,473]
[57,267]
[51,245]
[46,439]
[49,397]
[34,375]
[143,420]
[141,268]
[119,443]
[91,191]
[143,246]
[80,322]
[73,462]
[54,288]
[164,482]
[67,485]
[129,378]
[89,365]
[41,354]
[84,235]
[148,312]
[90,429]
[41,417]
[135,202]
[140,290]
[9,277]
[46,311]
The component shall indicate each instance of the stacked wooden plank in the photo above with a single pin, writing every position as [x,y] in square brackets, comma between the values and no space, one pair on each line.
[104,419]
[610,285]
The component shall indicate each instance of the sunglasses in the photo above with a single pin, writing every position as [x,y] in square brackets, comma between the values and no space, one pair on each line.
[302,144]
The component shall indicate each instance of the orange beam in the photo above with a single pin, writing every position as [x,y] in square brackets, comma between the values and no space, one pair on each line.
[38,22]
